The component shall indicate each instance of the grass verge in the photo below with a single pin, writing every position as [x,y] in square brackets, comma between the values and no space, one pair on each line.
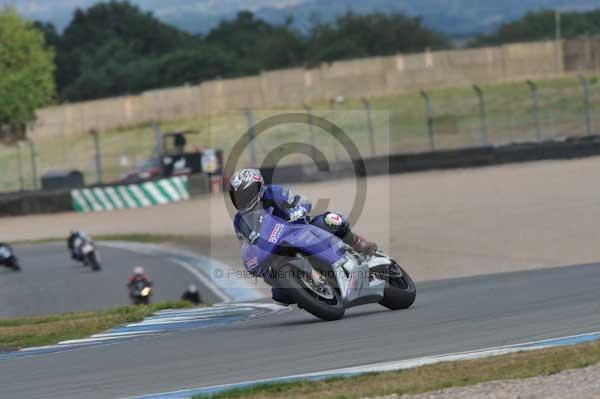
[433,377]
[25,332]
[134,237]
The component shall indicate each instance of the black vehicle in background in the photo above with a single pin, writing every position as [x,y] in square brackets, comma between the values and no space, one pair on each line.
[8,257]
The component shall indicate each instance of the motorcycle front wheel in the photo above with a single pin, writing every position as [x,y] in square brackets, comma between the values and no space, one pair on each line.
[93,262]
[400,291]
[320,299]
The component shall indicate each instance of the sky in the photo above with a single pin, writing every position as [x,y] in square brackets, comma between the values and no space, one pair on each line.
[59,11]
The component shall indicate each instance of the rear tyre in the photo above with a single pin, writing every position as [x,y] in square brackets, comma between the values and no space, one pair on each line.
[307,299]
[400,291]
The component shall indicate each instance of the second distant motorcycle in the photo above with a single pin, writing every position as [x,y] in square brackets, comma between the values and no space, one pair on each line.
[8,257]
[84,250]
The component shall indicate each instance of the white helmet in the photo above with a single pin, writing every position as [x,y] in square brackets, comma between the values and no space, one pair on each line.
[138,270]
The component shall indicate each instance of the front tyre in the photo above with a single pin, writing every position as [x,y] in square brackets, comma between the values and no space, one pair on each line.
[320,298]
[14,264]
[400,291]
[93,262]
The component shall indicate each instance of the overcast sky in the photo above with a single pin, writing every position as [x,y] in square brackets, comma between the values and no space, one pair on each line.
[59,11]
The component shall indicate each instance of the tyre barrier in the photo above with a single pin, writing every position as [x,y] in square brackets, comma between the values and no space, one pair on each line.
[142,195]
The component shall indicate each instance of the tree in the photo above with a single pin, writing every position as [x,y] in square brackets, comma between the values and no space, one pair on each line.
[353,35]
[541,25]
[259,44]
[26,74]
[85,48]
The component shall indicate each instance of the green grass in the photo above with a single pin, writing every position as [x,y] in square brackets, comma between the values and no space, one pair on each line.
[456,121]
[26,332]
[430,378]
[134,237]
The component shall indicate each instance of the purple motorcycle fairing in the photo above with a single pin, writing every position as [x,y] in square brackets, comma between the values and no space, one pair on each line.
[277,234]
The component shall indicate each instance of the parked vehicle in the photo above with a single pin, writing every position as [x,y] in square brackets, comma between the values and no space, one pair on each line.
[319,272]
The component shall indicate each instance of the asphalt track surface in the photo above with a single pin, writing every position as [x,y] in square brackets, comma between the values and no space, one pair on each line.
[449,316]
[53,283]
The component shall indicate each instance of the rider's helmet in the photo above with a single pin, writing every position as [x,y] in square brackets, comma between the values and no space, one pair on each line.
[246,188]
[192,288]
[138,270]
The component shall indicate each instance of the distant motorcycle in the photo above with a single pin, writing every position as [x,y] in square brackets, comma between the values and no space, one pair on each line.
[86,253]
[140,292]
[8,257]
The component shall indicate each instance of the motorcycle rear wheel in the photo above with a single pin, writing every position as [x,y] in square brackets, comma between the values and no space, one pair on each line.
[307,299]
[400,291]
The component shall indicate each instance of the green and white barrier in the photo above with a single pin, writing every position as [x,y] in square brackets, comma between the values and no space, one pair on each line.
[128,196]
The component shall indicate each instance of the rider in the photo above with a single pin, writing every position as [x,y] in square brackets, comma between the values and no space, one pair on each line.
[137,276]
[248,191]
[192,295]
[74,236]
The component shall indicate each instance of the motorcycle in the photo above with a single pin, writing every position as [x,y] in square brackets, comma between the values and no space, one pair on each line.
[85,250]
[318,271]
[140,292]
[8,257]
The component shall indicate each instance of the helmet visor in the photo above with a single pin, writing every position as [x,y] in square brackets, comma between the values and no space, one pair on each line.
[246,198]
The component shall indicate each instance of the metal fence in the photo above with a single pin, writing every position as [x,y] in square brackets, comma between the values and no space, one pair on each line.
[445,118]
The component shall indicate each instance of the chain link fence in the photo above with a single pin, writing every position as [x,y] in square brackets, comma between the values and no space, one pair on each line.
[446,118]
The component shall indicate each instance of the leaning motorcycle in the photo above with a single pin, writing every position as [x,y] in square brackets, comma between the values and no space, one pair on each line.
[140,293]
[8,258]
[318,271]
[87,253]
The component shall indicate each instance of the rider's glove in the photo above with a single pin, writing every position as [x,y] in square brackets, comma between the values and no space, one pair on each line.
[297,213]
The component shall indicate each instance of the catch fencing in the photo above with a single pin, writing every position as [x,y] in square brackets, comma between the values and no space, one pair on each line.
[436,101]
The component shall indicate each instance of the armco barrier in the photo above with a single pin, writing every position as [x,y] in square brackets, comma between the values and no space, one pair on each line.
[34,202]
[128,196]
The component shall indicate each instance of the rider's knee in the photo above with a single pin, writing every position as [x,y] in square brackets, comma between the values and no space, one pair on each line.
[334,223]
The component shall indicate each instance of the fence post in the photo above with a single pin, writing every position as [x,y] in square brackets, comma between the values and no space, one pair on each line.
[33,155]
[20,166]
[333,108]
[311,130]
[429,119]
[158,140]
[367,105]
[586,104]
[250,121]
[536,109]
[97,156]
[482,112]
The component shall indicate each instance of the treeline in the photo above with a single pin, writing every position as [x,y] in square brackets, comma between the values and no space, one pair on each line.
[115,48]
[542,25]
